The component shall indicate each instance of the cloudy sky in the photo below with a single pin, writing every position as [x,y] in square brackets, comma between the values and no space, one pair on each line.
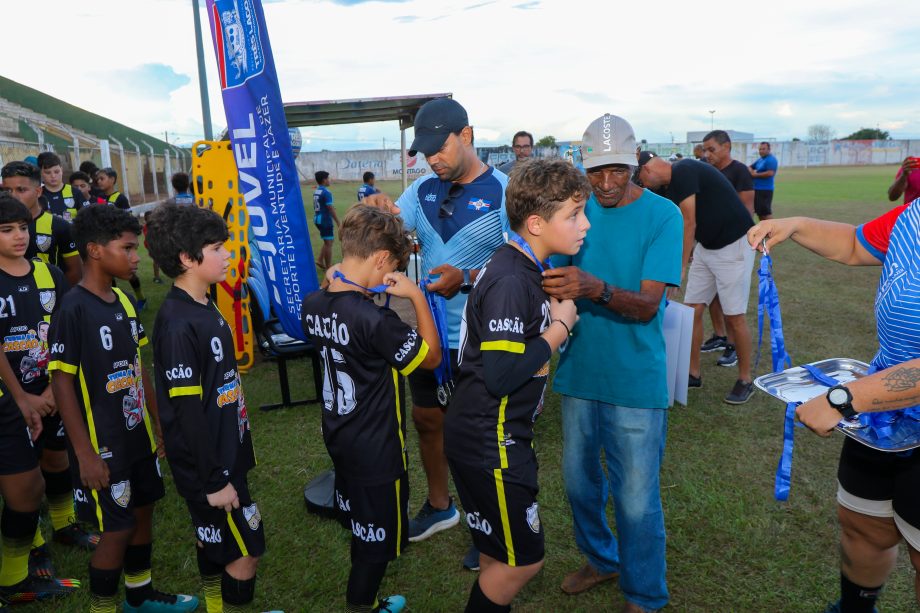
[547,66]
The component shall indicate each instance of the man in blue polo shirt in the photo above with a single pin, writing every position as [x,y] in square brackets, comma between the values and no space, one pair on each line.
[458,213]
[764,171]
[368,188]
[613,376]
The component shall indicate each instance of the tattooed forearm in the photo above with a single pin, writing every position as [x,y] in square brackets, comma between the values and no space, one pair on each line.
[903,401]
[901,379]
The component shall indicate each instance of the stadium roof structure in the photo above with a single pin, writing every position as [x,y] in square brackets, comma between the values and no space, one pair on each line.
[59,123]
[361,110]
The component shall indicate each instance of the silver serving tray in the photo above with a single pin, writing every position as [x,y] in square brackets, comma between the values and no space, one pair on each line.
[797,385]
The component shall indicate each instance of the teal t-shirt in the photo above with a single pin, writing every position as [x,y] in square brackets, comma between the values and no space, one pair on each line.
[611,358]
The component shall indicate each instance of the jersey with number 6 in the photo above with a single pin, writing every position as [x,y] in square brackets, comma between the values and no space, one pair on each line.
[193,354]
[364,349]
[26,306]
[99,343]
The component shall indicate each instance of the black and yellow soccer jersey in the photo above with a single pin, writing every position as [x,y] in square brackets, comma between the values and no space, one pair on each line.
[65,203]
[99,343]
[199,396]
[50,240]
[506,308]
[26,306]
[118,200]
[364,349]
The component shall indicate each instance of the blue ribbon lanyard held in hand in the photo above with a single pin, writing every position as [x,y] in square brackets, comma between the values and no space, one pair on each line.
[768,301]
[442,373]
[377,289]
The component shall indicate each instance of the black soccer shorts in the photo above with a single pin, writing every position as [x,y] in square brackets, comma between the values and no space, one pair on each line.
[501,511]
[377,515]
[17,454]
[227,537]
[112,509]
[53,436]
[763,202]
[881,484]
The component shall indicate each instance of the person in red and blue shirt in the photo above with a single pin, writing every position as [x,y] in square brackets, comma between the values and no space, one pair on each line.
[878,493]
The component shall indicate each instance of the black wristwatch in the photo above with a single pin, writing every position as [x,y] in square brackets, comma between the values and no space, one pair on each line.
[841,399]
[466,287]
[605,296]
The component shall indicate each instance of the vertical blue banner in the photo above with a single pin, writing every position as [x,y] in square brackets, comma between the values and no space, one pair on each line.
[264,157]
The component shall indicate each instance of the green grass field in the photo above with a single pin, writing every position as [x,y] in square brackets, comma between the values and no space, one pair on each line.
[731,547]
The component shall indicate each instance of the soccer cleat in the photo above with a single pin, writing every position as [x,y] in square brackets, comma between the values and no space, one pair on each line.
[32,589]
[159,602]
[40,564]
[391,604]
[714,344]
[430,520]
[76,535]
[729,356]
[835,607]
[740,393]
[695,381]
[471,559]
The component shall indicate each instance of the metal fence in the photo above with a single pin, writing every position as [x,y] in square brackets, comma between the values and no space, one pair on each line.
[801,153]
[142,176]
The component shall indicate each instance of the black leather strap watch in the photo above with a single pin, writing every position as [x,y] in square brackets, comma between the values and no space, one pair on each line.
[841,399]
[605,296]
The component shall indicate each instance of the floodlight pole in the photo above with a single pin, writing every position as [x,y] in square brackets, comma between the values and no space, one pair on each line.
[202,76]
[712,119]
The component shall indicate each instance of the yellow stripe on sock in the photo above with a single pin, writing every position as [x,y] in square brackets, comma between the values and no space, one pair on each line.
[60,508]
[212,597]
[138,579]
[38,540]
[101,604]
[15,565]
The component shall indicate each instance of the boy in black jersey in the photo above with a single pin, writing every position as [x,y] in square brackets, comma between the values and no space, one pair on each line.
[510,330]
[100,386]
[364,349]
[63,200]
[201,404]
[50,238]
[29,292]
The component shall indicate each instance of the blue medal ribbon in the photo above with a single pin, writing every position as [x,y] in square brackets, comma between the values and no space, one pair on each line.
[377,289]
[442,373]
[520,242]
[768,302]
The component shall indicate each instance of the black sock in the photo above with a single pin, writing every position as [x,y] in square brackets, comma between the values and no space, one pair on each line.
[480,603]
[138,584]
[103,586]
[363,582]
[236,593]
[855,598]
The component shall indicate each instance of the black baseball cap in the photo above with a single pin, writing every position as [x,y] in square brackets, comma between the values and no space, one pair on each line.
[645,156]
[434,122]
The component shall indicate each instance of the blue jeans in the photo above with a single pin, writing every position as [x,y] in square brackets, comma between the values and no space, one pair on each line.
[633,444]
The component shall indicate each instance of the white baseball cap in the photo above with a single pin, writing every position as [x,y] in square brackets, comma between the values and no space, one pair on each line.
[609,139]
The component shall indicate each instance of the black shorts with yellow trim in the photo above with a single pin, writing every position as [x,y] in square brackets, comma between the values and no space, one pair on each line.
[53,437]
[227,537]
[377,516]
[501,511]
[112,509]
[17,455]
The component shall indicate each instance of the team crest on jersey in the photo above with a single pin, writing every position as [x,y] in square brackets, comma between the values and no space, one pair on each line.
[119,317]
[43,242]
[121,493]
[533,518]
[48,298]
[252,515]
[479,204]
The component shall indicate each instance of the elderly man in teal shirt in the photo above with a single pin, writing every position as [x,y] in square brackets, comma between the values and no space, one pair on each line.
[613,376]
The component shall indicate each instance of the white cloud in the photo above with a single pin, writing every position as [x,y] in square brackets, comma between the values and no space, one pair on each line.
[550,69]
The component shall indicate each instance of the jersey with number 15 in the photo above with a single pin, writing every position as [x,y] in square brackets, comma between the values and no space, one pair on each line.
[99,343]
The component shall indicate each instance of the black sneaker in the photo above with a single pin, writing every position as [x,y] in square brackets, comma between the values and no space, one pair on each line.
[471,559]
[729,356]
[695,381]
[741,393]
[32,589]
[40,564]
[714,344]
